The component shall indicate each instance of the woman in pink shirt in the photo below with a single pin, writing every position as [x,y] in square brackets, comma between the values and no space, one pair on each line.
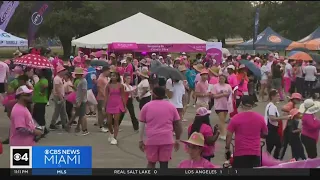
[202,124]
[160,123]
[195,147]
[214,79]
[221,92]
[202,90]
[310,126]
[247,127]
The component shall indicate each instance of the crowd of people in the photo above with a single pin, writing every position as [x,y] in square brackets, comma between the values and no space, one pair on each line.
[79,90]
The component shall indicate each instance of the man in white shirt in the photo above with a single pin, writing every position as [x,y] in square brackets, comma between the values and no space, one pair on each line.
[269,64]
[4,74]
[288,77]
[310,72]
[175,91]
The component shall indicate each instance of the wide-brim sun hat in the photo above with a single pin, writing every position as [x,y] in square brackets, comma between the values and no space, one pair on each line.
[309,107]
[214,70]
[196,139]
[182,68]
[198,67]
[79,71]
[231,67]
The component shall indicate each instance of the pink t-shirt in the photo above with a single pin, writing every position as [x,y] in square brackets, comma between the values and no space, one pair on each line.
[310,126]
[57,80]
[21,117]
[247,127]
[4,70]
[129,70]
[232,80]
[207,131]
[202,87]
[159,122]
[222,102]
[198,78]
[203,163]
[102,83]
[214,80]
[120,70]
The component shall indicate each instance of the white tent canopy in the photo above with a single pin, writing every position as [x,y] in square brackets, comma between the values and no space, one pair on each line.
[139,29]
[9,40]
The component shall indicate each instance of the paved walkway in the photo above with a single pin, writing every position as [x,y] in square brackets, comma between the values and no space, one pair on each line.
[126,154]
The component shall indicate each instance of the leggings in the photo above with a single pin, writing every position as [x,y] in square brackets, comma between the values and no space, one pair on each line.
[248,161]
[273,140]
[144,101]
[310,145]
[39,112]
[69,108]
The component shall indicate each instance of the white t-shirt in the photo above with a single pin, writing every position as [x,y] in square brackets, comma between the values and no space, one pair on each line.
[4,70]
[178,91]
[310,71]
[287,70]
[144,84]
[269,64]
[264,71]
[128,88]
[271,110]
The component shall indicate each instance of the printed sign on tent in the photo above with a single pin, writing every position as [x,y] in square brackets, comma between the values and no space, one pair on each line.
[214,49]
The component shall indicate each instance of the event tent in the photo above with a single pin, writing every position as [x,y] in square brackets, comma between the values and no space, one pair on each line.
[267,40]
[9,40]
[312,41]
[139,31]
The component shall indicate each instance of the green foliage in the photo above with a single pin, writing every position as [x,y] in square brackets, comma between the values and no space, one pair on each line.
[204,19]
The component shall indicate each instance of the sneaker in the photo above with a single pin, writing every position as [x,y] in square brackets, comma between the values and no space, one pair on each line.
[48,104]
[84,133]
[95,124]
[77,130]
[184,120]
[93,114]
[194,105]
[104,130]
[74,123]
[136,131]
[113,141]
[222,138]
[89,114]
[52,127]
[120,130]
[5,141]
[110,137]
[174,134]
[59,123]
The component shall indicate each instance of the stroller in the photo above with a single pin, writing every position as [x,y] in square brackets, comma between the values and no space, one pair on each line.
[229,162]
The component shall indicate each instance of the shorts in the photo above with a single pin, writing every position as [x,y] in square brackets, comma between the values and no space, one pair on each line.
[101,105]
[91,98]
[2,88]
[158,153]
[80,111]
[264,81]
[220,111]
[276,83]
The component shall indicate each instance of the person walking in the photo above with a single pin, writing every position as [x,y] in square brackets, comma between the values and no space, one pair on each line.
[159,125]
[175,91]
[310,72]
[102,83]
[274,122]
[59,100]
[144,93]
[23,129]
[40,100]
[129,95]
[310,126]
[115,99]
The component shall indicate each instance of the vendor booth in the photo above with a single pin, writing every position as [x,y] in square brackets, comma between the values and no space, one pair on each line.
[141,33]
[9,40]
[268,40]
[312,41]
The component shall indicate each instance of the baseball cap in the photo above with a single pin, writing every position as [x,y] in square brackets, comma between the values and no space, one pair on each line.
[247,100]
[23,90]
[153,54]
[231,67]
[202,111]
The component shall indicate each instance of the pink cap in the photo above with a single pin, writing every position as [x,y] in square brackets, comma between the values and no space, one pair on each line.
[296,96]
[239,57]
[204,72]
[23,90]
[248,57]
[202,111]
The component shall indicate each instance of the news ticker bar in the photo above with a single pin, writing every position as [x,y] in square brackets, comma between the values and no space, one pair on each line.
[162,172]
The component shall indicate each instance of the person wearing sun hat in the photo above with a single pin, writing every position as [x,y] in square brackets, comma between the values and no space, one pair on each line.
[81,101]
[143,88]
[201,91]
[59,99]
[295,99]
[23,129]
[292,136]
[202,124]
[112,59]
[310,126]
[195,147]
[160,119]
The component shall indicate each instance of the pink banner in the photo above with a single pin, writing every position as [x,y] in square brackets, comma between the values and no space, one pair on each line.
[123,46]
[171,48]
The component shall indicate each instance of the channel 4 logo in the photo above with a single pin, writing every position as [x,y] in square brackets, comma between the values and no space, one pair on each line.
[20,157]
